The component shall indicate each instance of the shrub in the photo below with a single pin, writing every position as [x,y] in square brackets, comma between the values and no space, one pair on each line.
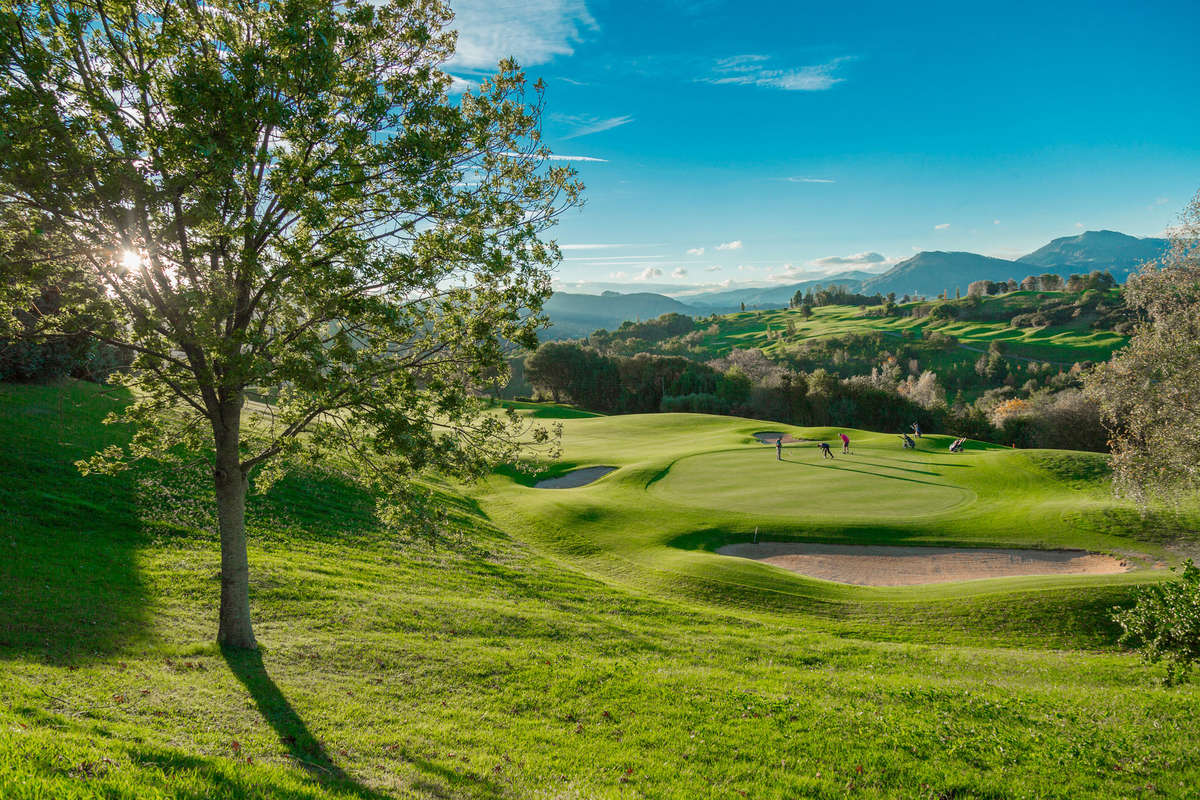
[1164,624]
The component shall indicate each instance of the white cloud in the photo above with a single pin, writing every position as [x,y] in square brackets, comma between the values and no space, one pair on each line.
[679,272]
[857,259]
[591,246]
[617,275]
[1078,224]
[713,268]
[995,222]
[753,70]
[556,157]
[649,273]
[696,251]
[532,31]
[1161,201]
[459,85]
[736,244]
[746,268]
[941,226]
[585,125]
[802,179]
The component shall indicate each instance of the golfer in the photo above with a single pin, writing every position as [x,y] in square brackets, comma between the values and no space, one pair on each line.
[825,450]
[779,449]
[845,444]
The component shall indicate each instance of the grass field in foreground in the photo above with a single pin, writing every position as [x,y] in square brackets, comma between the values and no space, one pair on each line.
[503,661]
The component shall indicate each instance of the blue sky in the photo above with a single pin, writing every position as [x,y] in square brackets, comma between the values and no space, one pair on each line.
[752,142]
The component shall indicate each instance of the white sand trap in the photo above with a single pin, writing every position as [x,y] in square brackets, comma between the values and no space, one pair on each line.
[866,565]
[771,437]
[574,478]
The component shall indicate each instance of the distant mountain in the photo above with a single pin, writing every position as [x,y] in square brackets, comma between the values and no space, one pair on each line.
[771,296]
[574,315]
[930,273]
[1116,252]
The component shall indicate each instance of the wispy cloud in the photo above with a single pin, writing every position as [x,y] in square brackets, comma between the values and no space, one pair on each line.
[941,226]
[557,157]
[459,85]
[755,70]
[696,251]
[532,31]
[995,222]
[736,244]
[1079,225]
[679,272]
[804,179]
[713,268]
[617,275]
[586,125]
[649,273]
[591,246]
[857,259]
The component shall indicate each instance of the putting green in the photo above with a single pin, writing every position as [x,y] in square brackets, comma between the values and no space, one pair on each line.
[690,484]
[806,485]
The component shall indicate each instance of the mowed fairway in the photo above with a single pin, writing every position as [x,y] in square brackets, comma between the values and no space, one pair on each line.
[687,484]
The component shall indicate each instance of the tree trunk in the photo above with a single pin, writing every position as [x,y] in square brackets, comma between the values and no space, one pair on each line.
[230,482]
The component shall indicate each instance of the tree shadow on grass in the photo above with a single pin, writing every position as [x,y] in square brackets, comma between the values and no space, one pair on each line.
[307,751]
[303,748]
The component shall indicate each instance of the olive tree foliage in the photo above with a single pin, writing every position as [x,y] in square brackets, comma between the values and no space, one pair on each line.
[1164,624]
[1149,393]
[278,197]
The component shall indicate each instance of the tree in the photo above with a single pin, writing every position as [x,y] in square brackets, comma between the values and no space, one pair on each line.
[279,196]
[1165,623]
[1149,391]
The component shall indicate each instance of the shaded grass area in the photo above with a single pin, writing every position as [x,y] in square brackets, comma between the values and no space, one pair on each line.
[470,665]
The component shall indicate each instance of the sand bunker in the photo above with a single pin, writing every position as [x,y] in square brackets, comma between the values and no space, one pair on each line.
[771,437]
[865,565]
[578,477]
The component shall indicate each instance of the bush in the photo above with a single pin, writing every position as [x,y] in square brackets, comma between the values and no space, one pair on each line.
[1164,625]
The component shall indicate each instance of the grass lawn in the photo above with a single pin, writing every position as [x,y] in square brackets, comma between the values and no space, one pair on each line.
[572,643]
[1064,344]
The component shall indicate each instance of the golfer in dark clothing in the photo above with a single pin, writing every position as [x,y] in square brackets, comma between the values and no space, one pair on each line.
[779,449]
[825,450]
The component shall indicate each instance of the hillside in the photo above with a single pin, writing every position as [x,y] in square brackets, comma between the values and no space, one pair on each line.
[1115,252]
[772,296]
[932,272]
[577,643]
[574,315]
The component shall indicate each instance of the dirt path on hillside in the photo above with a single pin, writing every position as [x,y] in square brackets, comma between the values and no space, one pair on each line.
[874,565]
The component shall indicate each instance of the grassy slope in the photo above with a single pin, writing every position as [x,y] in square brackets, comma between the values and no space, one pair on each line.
[1057,343]
[475,666]
[689,483]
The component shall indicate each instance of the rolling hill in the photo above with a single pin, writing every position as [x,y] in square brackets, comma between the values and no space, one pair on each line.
[773,296]
[932,272]
[574,315]
[1116,252]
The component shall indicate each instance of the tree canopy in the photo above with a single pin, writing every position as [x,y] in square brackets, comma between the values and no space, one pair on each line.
[1149,393]
[278,197]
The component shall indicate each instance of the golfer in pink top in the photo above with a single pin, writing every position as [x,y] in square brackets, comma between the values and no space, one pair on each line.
[845,444]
